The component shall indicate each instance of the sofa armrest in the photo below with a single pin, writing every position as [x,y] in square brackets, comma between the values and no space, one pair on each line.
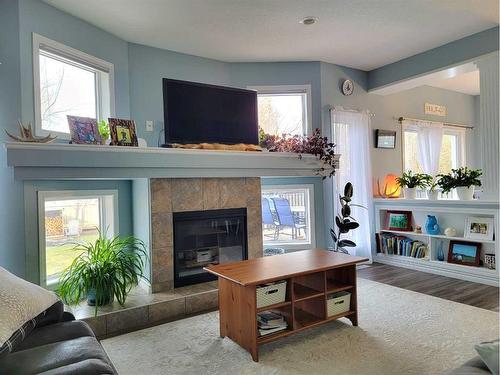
[53,314]
[67,317]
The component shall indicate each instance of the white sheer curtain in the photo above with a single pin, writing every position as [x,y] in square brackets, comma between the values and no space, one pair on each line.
[351,133]
[430,139]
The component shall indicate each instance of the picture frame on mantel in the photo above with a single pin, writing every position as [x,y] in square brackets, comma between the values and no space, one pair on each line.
[84,130]
[123,132]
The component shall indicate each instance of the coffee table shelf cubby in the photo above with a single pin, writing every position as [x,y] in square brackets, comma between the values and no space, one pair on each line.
[312,277]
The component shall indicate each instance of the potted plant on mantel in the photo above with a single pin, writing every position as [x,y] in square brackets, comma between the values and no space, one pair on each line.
[409,182]
[106,269]
[463,180]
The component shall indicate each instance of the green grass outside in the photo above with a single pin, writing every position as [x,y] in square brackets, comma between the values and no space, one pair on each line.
[60,257]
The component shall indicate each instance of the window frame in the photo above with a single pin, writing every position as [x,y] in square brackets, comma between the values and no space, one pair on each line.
[281,90]
[79,59]
[312,238]
[447,130]
[104,212]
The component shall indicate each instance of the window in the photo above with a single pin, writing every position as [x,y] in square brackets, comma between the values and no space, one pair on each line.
[288,216]
[68,82]
[69,218]
[284,109]
[452,153]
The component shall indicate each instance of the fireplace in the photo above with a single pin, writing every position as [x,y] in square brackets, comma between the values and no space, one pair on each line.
[207,237]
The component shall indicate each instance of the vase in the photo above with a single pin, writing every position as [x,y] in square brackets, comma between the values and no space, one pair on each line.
[465,193]
[103,299]
[410,193]
[433,195]
[440,252]
[431,225]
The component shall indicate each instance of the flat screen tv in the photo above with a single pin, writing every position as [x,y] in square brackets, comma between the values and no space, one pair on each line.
[196,113]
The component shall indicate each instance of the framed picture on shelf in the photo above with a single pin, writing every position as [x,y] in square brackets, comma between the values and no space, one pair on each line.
[122,132]
[398,220]
[479,228]
[385,138]
[466,253]
[83,130]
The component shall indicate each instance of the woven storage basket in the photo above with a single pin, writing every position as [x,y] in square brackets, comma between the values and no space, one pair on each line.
[271,294]
[338,303]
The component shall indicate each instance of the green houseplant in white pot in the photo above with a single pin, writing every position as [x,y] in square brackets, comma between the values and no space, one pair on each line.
[106,269]
[433,190]
[463,180]
[410,181]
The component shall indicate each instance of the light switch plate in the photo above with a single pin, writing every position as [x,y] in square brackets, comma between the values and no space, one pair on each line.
[149,126]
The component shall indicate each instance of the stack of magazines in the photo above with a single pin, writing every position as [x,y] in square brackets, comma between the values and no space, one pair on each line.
[270,322]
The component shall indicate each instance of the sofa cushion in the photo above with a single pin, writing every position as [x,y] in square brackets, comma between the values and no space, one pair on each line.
[55,333]
[489,353]
[20,302]
[82,355]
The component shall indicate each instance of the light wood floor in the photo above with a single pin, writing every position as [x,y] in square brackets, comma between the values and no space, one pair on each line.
[474,294]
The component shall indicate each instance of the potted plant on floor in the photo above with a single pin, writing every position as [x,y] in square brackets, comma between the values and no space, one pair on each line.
[106,269]
[409,182]
[463,180]
[344,221]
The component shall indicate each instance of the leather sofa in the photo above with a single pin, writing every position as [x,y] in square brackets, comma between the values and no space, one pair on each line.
[58,345]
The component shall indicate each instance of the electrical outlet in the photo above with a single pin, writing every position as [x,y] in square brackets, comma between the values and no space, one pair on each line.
[149,125]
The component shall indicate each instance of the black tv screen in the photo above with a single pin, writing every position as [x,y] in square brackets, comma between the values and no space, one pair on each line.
[196,113]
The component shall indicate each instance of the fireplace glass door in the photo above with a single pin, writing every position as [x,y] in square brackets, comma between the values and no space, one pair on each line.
[207,237]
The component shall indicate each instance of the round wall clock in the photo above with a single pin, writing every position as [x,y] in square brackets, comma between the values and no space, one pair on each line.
[347,87]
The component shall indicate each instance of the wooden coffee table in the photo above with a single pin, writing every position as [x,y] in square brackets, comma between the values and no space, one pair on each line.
[311,276]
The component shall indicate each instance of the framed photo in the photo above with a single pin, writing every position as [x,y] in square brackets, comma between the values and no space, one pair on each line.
[122,132]
[479,228]
[466,253]
[84,130]
[385,138]
[398,220]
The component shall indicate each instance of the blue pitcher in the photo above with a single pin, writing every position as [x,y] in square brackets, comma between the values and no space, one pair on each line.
[431,225]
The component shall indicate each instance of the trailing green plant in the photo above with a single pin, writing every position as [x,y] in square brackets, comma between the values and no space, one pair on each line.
[411,180]
[103,128]
[313,144]
[344,221]
[106,269]
[461,177]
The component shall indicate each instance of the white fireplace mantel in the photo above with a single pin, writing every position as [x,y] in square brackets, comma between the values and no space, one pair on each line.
[65,161]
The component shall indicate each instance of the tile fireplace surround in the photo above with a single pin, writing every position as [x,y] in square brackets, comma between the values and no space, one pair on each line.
[169,195]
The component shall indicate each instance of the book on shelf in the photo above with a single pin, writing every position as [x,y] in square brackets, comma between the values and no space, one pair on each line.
[392,244]
[270,322]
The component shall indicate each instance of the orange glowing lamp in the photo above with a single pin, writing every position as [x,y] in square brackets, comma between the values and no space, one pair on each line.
[391,187]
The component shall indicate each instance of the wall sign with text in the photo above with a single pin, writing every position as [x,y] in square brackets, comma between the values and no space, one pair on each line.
[434,109]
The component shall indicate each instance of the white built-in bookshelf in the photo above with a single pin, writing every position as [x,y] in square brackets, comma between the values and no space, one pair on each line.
[449,213]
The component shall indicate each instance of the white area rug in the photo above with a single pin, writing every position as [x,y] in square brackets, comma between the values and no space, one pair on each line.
[400,332]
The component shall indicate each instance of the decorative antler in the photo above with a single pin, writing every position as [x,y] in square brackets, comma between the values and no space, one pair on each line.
[26,135]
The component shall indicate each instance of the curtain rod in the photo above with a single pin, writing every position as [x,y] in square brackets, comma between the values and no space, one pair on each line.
[332,108]
[401,119]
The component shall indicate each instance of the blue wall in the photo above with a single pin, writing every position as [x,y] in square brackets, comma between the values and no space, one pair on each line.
[148,66]
[138,93]
[11,197]
[38,17]
[453,53]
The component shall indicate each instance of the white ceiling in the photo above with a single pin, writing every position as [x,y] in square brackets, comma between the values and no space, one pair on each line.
[363,34]
[467,83]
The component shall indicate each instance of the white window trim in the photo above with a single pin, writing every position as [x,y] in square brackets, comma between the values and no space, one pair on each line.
[41,42]
[302,246]
[290,89]
[70,194]
[449,130]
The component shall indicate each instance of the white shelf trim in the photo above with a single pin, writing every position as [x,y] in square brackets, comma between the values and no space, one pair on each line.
[440,236]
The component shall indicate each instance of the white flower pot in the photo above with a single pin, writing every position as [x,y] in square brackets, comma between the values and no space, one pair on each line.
[410,193]
[465,193]
[433,194]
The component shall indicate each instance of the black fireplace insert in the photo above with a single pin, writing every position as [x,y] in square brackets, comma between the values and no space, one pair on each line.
[207,237]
